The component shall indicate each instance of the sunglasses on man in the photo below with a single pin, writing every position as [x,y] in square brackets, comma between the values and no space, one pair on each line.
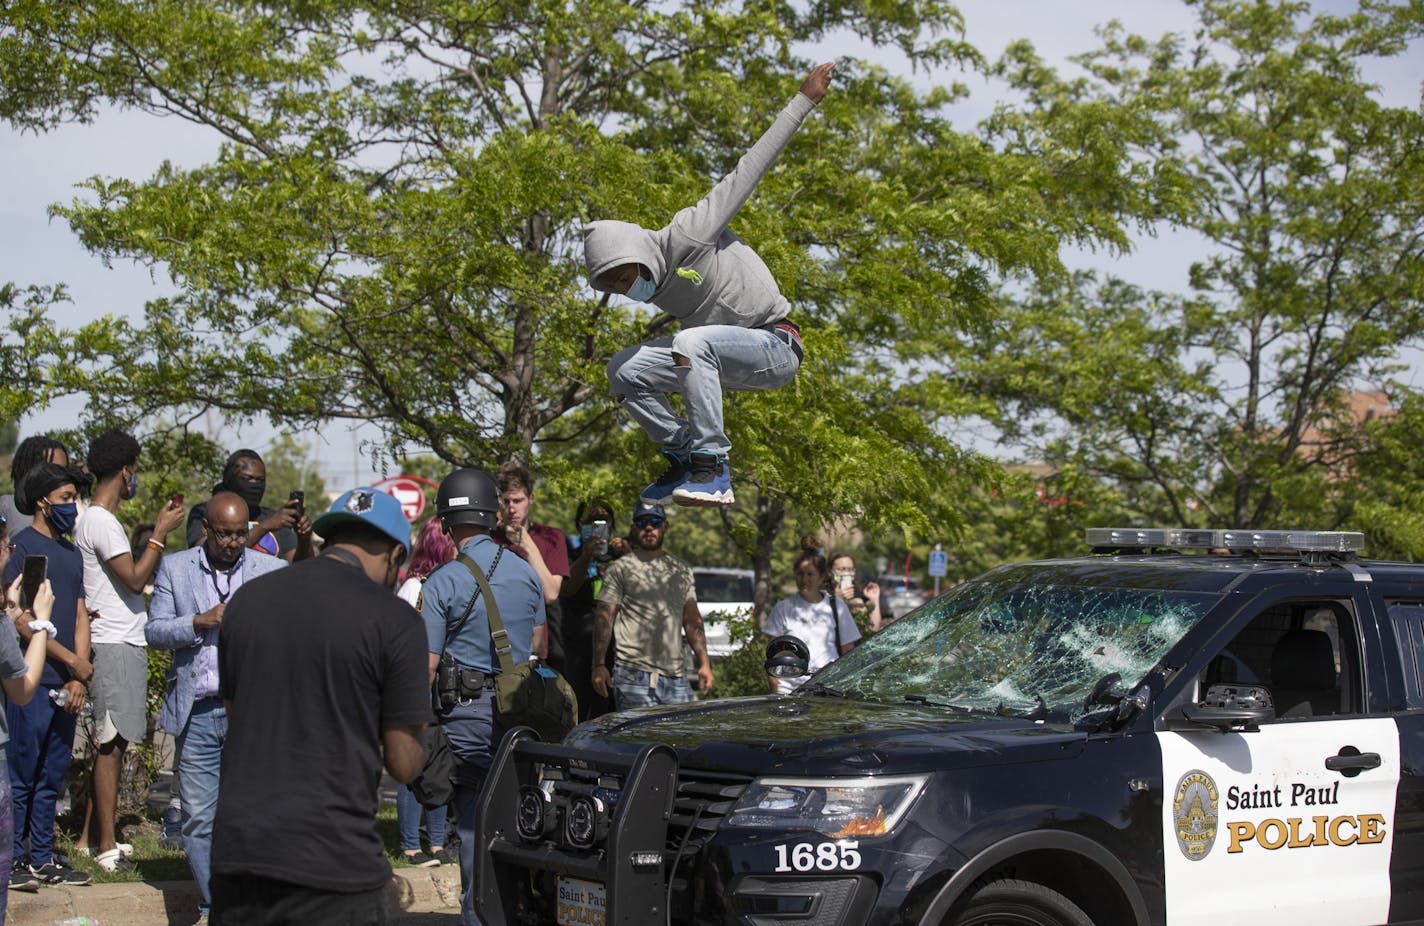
[652,521]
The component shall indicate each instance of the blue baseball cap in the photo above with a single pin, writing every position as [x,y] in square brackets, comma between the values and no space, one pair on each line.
[370,506]
[648,508]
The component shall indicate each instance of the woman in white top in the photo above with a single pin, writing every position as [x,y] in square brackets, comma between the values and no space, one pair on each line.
[822,621]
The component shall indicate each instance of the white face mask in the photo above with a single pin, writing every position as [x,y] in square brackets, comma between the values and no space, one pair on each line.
[642,289]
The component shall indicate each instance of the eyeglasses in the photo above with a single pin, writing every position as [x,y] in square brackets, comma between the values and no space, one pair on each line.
[652,521]
[227,536]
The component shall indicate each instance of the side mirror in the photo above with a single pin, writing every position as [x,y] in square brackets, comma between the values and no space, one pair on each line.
[1231,708]
[1105,692]
[787,657]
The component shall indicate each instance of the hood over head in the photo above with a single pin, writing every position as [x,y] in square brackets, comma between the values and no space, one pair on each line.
[608,244]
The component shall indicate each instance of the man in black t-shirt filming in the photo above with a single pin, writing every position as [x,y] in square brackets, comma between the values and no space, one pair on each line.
[323,670]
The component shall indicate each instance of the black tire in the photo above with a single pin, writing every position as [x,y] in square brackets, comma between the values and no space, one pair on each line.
[1018,903]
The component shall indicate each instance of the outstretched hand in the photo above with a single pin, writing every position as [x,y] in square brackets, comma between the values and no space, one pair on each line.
[816,84]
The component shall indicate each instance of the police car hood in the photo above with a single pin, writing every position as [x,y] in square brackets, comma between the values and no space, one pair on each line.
[820,735]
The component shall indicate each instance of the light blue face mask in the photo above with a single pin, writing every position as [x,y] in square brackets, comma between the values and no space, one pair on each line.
[642,289]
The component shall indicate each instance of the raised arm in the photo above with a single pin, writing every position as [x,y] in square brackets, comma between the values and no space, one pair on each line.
[706,220]
[134,574]
[21,689]
[549,582]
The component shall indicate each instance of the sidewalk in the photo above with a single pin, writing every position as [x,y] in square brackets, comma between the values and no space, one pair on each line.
[417,897]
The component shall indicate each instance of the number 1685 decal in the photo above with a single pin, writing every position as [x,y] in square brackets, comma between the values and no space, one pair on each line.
[818,856]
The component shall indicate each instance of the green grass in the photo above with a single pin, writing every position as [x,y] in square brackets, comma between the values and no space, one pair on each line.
[154,863]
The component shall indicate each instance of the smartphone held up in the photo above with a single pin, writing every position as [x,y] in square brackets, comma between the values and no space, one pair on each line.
[32,576]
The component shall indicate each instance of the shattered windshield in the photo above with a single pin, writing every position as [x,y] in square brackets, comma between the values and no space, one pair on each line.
[1024,648]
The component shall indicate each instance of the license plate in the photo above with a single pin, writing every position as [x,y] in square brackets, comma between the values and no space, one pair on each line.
[581,903]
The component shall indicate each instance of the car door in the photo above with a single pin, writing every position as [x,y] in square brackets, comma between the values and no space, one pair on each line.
[1291,823]
[1405,618]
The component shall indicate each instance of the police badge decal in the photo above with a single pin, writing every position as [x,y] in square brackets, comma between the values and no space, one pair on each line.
[1194,810]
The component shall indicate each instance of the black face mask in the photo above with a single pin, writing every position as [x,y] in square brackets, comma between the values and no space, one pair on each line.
[251,492]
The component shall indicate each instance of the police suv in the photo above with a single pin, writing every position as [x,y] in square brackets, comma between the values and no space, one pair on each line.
[1152,733]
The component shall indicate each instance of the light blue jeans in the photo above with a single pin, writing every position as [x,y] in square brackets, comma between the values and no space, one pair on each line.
[199,762]
[408,814]
[635,689]
[722,357]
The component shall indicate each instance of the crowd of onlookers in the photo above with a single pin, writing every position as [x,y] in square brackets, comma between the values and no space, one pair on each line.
[613,611]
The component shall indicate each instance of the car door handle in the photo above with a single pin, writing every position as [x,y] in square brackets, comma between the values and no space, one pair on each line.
[1358,762]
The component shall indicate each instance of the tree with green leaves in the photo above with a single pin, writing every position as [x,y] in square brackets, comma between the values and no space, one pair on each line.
[1386,493]
[1227,404]
[390,228]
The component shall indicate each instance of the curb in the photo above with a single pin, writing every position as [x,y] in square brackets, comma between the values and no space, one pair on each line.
[413,891]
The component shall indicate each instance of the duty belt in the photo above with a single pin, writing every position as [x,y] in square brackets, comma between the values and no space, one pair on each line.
[471,682]
[790,333]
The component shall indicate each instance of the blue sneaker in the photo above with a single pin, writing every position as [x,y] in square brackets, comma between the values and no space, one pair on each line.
[660,492]
[708,483]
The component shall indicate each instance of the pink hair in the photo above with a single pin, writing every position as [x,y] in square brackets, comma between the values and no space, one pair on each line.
[433,549]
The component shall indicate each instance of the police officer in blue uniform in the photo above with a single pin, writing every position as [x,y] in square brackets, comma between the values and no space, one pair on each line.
[467,503]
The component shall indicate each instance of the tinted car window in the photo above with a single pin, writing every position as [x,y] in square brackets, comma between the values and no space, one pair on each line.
[713,587]
[1409,627]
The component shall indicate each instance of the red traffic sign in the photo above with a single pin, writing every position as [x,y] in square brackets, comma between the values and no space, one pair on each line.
[409,491]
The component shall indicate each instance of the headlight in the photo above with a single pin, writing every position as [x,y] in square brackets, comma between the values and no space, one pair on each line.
[841,808]
[586,823]
[532,818]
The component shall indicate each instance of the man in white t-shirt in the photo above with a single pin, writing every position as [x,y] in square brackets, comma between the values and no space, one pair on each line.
[113,592]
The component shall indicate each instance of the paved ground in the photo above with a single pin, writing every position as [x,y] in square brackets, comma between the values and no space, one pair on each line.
[418,897]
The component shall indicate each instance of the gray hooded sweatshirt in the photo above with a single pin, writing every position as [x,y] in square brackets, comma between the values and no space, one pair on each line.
[705,275]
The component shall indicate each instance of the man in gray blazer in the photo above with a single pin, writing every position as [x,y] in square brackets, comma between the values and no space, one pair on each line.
[190,593]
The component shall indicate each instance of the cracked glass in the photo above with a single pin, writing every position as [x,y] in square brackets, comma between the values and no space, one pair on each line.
[1014,646]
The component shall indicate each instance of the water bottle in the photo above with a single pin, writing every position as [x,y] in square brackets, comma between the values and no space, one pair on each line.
[60,697]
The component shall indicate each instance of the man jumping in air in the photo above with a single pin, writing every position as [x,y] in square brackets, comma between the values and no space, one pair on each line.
[735,332]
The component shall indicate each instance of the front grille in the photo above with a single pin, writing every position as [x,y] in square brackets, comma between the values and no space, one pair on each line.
[703,799]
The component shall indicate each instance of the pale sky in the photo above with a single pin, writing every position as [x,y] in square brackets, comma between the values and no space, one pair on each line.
[41,170]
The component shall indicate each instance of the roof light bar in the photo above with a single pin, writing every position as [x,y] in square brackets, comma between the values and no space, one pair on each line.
[1188,538]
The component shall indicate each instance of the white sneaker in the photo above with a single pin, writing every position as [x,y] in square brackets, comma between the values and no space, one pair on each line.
[124,848]
[113,860]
